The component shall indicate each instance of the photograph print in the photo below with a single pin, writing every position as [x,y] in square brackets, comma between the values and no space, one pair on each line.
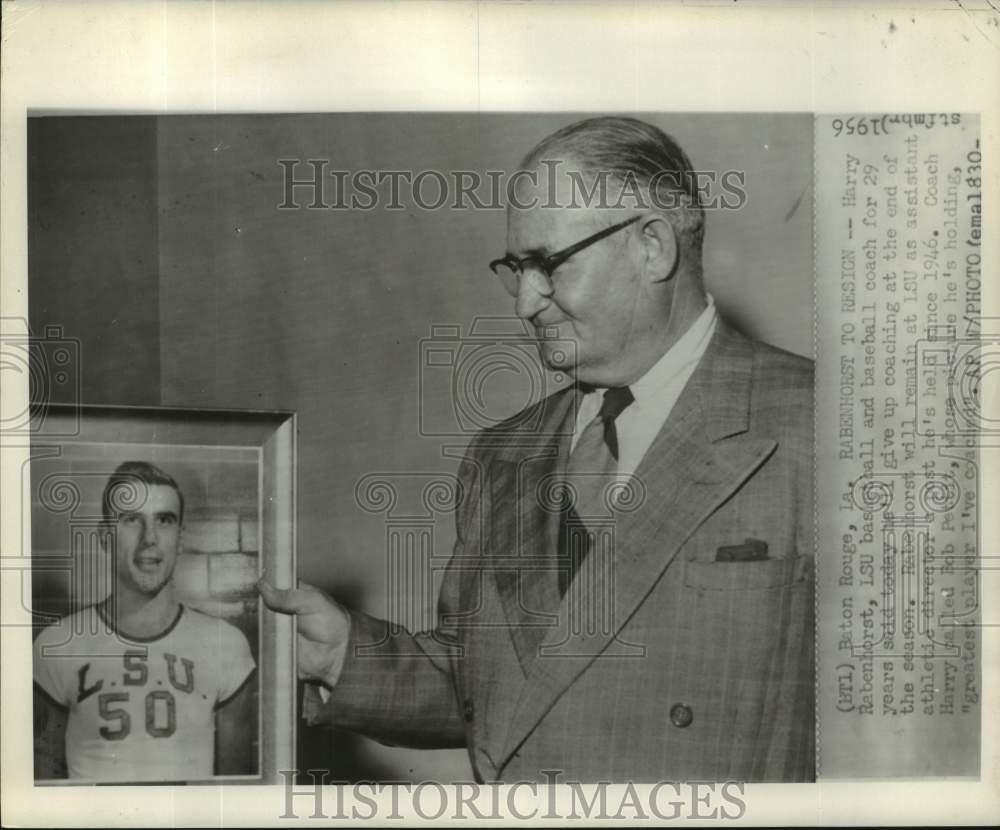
[151,660]
[552,381]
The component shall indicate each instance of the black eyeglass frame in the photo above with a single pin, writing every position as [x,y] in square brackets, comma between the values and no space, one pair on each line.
[547,265]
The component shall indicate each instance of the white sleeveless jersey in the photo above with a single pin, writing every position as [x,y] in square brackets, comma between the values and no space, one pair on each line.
[141,709]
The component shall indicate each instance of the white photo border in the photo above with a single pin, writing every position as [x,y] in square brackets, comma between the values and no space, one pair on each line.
[467,56]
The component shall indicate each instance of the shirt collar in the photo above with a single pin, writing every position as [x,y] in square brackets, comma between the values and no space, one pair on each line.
[678,359]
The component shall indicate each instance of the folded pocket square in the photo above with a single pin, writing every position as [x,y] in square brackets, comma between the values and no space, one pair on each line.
[752,550]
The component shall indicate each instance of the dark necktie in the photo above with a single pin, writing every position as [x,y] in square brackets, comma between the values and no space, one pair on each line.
[592,469]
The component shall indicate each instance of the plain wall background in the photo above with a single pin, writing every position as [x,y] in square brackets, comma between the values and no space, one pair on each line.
[157,242]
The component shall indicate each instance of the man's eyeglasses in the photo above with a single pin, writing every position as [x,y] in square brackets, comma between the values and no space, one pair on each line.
[510,268]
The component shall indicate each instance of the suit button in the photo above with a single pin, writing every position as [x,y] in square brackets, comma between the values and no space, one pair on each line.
[467,710]
[681,715]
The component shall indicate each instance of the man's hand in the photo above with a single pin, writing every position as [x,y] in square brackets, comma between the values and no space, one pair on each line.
[323,628]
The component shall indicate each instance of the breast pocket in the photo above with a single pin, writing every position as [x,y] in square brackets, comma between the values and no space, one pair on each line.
[747,576]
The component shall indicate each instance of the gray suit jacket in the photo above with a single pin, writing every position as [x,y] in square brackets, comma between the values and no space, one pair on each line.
[662,662]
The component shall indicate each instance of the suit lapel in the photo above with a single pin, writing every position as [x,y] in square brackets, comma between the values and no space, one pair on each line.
[524,538]
[700,456]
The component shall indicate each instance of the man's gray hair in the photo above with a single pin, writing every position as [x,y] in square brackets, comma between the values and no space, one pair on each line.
[627,149]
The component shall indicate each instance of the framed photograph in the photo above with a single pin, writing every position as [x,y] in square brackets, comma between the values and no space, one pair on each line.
[154,660]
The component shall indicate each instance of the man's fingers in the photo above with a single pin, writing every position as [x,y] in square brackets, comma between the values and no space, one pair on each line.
[272,597]
[278,599]
[289,600]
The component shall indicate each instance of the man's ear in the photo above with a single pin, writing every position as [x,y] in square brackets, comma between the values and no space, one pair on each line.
[660,247]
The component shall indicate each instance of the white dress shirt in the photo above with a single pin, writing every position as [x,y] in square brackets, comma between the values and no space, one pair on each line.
[655,394]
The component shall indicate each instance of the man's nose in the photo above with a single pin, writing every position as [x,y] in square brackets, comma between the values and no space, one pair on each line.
[148,532]
[533,293]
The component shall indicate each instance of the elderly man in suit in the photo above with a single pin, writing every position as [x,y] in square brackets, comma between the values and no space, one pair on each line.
[631,593]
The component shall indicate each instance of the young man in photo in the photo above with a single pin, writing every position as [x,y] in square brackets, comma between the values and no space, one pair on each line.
[139,687]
